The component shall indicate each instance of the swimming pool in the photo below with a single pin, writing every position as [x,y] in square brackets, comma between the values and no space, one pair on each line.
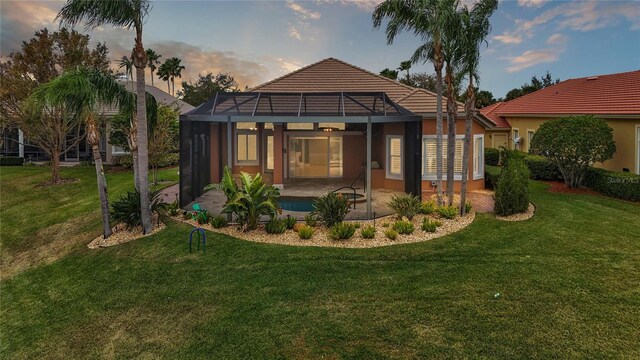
[296,203]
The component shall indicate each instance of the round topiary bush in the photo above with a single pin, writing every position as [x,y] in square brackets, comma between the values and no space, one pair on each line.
[512,190]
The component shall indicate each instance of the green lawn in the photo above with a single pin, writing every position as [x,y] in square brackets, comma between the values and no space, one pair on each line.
[567,279]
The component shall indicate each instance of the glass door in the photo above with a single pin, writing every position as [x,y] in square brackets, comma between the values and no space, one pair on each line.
[315,157]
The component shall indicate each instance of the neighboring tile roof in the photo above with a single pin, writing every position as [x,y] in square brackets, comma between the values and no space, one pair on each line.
[161,97]
[490,112]
[614,94]
[333,75]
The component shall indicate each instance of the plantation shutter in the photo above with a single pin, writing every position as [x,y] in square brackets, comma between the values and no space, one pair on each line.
[394,157]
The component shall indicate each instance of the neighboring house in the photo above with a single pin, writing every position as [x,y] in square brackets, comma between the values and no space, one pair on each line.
[328,120]
[15,144]
[614,98]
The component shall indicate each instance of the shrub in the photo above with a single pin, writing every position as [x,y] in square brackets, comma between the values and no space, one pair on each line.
[356,225]
[218,221]
[305,232]
[11,161]
[405,205]
[430,225]
[404,227]
[275,226]
[330,208]
[391,234]
[512,193]
[310,220]
[342,231]
[290,222]
[467,207]
[428,207]
[541,168]
[186,215]
[573,144]
[201,216]
[621,185]
[492,156]
[174,208]
[125,161]
[491,176]
[448,212]
[249,201]
[126,209]
[368,232]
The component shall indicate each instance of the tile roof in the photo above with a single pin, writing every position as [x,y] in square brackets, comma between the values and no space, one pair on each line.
[490,112]
[333,75]
[614,94]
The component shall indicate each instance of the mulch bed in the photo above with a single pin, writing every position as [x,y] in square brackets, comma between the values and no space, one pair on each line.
[562,188]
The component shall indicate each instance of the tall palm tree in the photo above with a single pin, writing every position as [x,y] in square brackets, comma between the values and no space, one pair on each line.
[175,70]
[165,75]
[82,91]
[476,27]
[128,14]
[127,64]
[425,18]
[405,66]
[154,59]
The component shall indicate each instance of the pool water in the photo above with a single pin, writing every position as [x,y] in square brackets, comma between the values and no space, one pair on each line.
[296,203]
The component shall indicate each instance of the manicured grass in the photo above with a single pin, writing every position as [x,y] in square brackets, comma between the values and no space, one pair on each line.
[41,223]
[567,279]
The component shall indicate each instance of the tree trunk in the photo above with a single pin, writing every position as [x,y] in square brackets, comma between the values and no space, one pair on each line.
[94,138]
[141,125]
[55,165]
[151,71]
[469,107]
[438,63]
[133,147]
[168,87]
[452,110]
[173,87]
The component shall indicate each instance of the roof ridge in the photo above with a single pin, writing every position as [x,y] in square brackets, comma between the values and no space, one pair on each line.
[374,74]
[599,75]
[408,95]
[289,74]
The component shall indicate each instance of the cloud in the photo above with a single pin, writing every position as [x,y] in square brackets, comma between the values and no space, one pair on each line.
[530,58]
[303,12]
[507,38]
[294,33]
[19,20]
[288,66]
[531,3]
[364,5]
[557,40]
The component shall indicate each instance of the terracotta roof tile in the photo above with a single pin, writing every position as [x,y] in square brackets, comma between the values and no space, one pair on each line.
[614,94]
[489,112]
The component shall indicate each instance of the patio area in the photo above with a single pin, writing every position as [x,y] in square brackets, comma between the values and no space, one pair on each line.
[307,189]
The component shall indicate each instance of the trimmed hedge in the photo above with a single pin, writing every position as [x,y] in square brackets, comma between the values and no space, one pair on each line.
[126,161]
[492,156]
[617,184]
[512,189]
[491,176]
[11,161]
[541,168]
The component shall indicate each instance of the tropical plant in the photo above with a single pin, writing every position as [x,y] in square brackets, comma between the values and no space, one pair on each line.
[467,207]
[173,209]
[476,28]
[127,64]
[174,69]
[405,66]
[391,234]
[290,222]
[342,231]
[428,207]
[153,59]
[201,216]
[164,74]
[405,205]
[574,144]
[512,190]
[388,73]
[448,211]
[403,226]
[126,209]
[331,208]
[81,92]
[249,201]
[218,221]
[430,225]
[275,226]
[305,232]
[368,232]
[310,220]
[126,14]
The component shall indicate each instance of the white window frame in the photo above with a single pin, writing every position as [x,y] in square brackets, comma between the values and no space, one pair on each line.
[456,176]
[529,138]
[513,138]
[265,151]
[480,173]
[235,147]
[388,157]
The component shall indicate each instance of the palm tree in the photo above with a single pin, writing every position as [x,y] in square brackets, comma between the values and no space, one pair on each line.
[126,14]
[81,91]
[127,64]
[476,27]
[175,70]
[426,19]
[405,66]
[154,59]
[165,75]
[388,73]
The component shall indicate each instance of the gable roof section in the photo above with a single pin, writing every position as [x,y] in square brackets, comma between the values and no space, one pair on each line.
[334,75]
[490,113]
[614,94]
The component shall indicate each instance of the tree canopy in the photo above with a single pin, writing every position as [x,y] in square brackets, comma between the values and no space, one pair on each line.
[535,84]
[205,87]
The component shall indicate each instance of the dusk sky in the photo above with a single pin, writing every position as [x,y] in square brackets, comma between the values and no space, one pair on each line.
[256,41]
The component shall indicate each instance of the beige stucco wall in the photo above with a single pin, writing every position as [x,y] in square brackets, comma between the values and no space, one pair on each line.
[624,134]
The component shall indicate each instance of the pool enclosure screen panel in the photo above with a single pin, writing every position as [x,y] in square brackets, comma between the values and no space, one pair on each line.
[195,160]
[315,157]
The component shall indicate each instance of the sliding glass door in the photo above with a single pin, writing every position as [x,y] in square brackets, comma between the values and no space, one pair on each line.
[315,156]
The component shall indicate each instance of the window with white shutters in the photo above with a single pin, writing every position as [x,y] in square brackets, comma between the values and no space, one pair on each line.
[429,168]
[394,157]
[478,157]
